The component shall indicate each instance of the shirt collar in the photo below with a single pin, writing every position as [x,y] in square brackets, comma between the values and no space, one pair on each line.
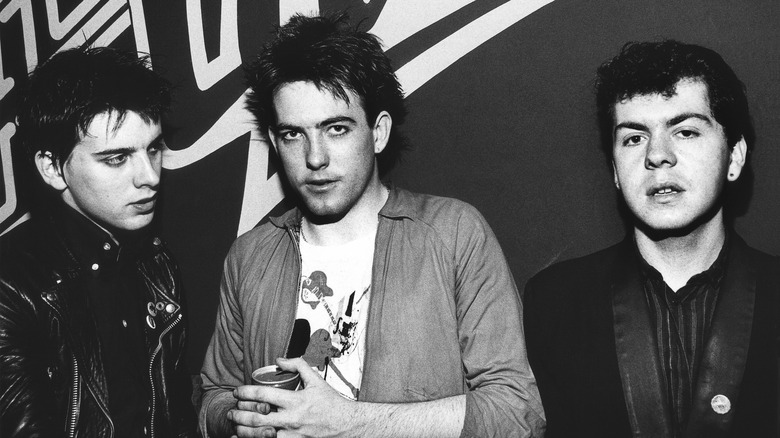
[712,275]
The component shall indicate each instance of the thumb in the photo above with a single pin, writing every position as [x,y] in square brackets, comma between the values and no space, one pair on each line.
[308,375]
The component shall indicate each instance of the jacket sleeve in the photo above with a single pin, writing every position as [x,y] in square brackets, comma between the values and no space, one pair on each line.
[503,399]
[223,364]
[26,398]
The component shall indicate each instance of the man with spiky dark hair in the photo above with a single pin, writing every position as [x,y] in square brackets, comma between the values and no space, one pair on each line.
[397,309]
[673,332]
[92,328]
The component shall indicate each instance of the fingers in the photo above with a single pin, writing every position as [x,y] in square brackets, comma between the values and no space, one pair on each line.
[260,407]
[253,432]
[308,375]
[282,398]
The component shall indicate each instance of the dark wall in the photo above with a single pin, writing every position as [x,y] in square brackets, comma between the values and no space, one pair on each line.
[509,126]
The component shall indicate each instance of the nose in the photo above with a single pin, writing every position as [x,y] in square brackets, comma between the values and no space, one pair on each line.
[660,153]
[147,171]
[316,154]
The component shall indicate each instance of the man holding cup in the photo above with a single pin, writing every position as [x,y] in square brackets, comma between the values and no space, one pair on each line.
[398,310]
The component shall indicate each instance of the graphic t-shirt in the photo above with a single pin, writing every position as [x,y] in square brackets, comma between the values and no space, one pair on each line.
[330,324]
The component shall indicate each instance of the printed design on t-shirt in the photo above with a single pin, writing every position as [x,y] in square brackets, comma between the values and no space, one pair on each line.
[314,288]
[320,349]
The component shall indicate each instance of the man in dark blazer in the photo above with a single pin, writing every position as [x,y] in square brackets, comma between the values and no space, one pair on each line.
[674,331]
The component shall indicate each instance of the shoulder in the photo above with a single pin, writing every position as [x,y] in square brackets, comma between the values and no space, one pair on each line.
[766,266]
[26,267]
[264,238]
[579,273]
[437,212]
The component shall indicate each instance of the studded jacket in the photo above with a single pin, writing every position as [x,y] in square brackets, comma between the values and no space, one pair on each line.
[51,374]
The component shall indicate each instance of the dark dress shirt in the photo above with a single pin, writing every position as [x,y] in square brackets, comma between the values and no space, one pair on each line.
[681,321]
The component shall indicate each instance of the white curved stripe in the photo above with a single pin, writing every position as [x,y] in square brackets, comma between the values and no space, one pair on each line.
[58,29]
[138,17]
[261,193]
[207,73]
[401,19]
[436,59]
[237,121]
[94,24]
[233,123]
[8,208]
[288,8]
[117,27]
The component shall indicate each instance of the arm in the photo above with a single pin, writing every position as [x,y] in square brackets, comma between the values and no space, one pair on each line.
[503,399]
[318,410]
[222,366]
[27,405]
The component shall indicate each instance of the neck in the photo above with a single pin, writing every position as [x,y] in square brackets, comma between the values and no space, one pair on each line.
[678,258]
[362,218]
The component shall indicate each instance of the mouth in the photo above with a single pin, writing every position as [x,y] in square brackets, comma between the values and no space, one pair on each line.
[146,205]
[664,190]
[320,185]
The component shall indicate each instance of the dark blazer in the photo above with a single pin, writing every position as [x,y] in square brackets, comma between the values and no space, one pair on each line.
[592,349]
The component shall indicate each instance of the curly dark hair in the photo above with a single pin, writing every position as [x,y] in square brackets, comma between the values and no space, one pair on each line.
[335,57]
[644,68]
[65,93]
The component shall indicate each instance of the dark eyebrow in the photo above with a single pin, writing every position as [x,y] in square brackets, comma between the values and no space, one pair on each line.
[629,125]
[334,120]
[326,122]
[671,122]
[685,116]
[126,151]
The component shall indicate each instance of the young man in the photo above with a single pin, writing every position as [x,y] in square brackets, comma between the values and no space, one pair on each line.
[91,322]
[397,309]
[673,332]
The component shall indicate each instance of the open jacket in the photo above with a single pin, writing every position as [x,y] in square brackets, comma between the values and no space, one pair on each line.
[444,316]
[593,351]
[51,374]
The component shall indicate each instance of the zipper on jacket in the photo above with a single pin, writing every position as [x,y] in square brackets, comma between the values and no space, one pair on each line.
[74,400]
[75,394]
[151,372]
[105,412]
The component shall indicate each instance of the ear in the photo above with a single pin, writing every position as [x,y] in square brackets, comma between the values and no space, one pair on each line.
[382,127]
[615,175]
[50,171]
[737,159]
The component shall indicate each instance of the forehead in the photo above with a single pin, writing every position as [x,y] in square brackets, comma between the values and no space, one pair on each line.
[107,131]
[303,102]
[689,96]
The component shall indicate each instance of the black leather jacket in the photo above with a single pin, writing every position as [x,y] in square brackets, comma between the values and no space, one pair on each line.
[51,374]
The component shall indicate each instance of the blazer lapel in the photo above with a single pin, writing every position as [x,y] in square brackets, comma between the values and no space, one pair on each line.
[723,360]
[638,361]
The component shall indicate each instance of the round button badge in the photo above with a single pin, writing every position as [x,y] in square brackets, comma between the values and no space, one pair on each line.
[720,404]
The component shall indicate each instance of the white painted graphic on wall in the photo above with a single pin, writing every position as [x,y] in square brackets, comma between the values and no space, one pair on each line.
[101,22]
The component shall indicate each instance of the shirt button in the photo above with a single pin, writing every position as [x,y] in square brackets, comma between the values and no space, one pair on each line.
[106,246]
[124,323]
[170,308]
[720,404]
[95,266]
[156,241]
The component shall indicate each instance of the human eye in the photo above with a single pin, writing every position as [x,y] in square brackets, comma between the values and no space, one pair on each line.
[687,133]
[338,130]
[289,135]
[632,140]
[115,160]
